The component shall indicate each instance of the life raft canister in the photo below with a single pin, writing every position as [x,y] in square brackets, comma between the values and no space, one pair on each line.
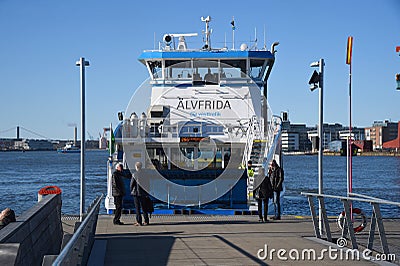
[48,190]
[356,211]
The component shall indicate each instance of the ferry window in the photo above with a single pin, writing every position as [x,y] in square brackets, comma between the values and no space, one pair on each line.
[178,69]
[155,68]
[233,69]
[205,72]
[257,68]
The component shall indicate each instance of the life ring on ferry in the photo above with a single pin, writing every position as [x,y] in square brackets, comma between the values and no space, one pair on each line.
[50,190]
[358,212]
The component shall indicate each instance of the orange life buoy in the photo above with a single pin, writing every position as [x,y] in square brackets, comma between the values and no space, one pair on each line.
[50,190]
[356,211]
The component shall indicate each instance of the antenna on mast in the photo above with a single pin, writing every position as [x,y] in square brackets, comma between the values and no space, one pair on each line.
[225,41]
[233,33]
[207,32]
[255,36]
[154,41]
[265,45]
[254,46]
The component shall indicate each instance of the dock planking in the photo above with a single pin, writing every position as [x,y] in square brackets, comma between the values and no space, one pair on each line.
[218,240]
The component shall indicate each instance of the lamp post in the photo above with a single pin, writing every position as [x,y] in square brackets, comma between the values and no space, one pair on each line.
[82,64]
[318,78]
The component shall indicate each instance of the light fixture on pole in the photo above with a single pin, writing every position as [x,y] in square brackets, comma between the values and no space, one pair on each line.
[82,64]
[316,81]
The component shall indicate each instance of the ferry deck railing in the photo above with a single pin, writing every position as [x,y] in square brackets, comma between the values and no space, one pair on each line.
[77,250]
[376,219]
[249,143]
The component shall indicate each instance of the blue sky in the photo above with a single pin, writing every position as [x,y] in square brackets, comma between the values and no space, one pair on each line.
[41,41]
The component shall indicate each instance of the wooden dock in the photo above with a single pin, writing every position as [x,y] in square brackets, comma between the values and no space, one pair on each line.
[221,240]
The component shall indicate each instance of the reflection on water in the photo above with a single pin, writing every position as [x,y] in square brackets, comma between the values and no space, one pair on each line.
[23,174]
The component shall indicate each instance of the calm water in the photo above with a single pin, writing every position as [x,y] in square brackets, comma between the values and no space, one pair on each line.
[23,174]
[373,176]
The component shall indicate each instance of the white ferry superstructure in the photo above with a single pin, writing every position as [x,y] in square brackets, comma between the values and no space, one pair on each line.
[205,117]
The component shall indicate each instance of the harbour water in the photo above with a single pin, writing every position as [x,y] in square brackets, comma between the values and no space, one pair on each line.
[23,174]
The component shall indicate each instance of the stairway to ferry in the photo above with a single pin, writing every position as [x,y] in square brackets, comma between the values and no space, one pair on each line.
[256,157]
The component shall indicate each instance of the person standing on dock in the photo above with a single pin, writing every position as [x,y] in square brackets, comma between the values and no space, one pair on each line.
[118,191]
[263,193]
[277,177]
[139,195]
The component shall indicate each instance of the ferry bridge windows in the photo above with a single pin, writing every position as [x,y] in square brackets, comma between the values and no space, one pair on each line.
[155,68]
[178,69]
[233,68]
[257,68]
[201,72]
[205,72]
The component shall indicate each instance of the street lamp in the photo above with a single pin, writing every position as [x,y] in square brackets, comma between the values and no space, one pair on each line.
[82,64]
[317,81]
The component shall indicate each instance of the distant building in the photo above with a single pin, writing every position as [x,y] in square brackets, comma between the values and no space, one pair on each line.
[356,134]
[332,133]
[363,145]
[335,146]
[380,132]
[294,137]
[6,144]
[290,141]
[33,144]
[393,144]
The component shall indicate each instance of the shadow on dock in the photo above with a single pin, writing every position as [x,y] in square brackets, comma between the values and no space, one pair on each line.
[219,240]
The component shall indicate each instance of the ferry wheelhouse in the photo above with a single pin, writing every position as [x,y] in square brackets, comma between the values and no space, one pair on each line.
[195,124]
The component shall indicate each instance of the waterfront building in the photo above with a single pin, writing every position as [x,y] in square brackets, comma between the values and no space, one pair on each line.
[295,137]
[332,133]
[290,141]
[33,144]
[6,144]
[335,146]
[356,134]
[393,144]
[380,132]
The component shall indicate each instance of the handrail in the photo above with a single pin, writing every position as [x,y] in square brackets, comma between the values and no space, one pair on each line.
[249,143]
[273,139]
[369,197]
[376,218]
[78,234]
[376,200]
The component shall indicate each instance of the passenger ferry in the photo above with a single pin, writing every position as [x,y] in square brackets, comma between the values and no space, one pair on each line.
[69,148]
[195,124]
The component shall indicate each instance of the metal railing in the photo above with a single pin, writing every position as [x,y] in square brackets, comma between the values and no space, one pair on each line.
[78,249]
[249,143]
[139,128]
[273,139]
[348,227]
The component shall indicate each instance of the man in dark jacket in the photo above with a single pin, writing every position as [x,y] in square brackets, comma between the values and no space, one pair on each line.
[118,191]
[263,193]
[138,181]
[277,177]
